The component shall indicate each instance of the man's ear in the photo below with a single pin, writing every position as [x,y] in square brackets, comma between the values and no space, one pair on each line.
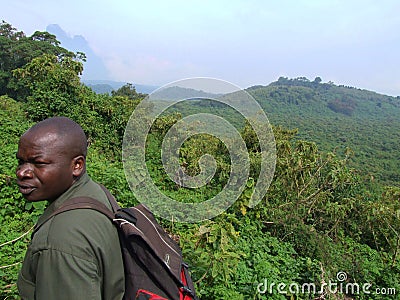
[79,165]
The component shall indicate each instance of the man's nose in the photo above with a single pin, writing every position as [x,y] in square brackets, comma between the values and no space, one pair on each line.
[24,171]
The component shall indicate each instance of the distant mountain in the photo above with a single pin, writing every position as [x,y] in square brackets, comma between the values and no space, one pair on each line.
[169,93]
[336,117]
[94,66]
[326,99]
[106,86]
[177,93]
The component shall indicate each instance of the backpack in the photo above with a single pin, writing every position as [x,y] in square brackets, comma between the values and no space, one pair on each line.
[154,269]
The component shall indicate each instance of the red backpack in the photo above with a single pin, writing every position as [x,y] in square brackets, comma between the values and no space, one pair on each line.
[154,269]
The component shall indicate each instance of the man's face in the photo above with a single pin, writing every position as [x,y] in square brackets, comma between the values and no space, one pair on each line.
[45,170]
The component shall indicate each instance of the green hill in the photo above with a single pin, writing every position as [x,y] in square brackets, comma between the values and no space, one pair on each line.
[337,117]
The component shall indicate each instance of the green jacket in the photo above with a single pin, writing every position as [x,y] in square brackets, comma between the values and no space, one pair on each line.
[75,255]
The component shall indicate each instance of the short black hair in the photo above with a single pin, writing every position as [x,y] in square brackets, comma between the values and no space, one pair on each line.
[69,132]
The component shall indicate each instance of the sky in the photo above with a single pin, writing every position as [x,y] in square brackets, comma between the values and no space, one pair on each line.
[254,42]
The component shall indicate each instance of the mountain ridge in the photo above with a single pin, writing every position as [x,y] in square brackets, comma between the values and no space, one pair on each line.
[107,86]
[339,117]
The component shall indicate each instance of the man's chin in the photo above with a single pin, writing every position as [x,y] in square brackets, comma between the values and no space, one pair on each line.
[32,197]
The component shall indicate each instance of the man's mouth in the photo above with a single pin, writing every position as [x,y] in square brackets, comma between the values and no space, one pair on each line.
[26,190]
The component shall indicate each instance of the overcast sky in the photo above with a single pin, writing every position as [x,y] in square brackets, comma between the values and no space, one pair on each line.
[354,43]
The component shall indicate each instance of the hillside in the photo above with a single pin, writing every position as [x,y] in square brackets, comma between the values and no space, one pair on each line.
[337,117]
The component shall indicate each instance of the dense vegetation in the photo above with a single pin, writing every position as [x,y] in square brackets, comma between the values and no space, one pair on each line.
[321,215]
[338,117]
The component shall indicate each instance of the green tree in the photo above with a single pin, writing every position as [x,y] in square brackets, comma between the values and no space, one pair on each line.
[16,50]
[317,80]
[128,90]
[53,85]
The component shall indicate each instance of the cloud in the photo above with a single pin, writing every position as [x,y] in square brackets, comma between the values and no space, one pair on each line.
[150,69]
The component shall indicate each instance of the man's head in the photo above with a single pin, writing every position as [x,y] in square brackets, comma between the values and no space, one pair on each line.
[51,157]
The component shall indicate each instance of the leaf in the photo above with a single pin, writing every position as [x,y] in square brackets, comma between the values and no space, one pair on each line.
[243,210]
[204,229]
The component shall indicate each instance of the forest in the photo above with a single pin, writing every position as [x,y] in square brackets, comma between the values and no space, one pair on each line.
[327,228]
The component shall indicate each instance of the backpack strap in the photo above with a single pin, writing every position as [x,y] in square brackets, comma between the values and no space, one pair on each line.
[80,203]
[188,290]
[124,213]
[115,206]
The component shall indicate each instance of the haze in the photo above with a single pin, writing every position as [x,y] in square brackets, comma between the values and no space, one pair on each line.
[355,43]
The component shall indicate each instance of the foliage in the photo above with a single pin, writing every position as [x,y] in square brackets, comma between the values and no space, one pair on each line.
[344,106]
[53,84]
[13,245]
[16,50]
[336,118]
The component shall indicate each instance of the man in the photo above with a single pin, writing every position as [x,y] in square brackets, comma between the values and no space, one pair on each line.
[76,254]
